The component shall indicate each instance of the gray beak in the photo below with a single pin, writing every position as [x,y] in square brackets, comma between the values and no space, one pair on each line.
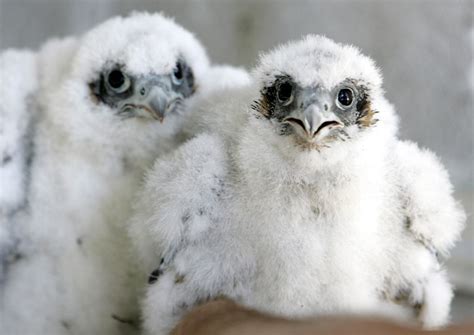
[314,120]
[158,103]
[153,97]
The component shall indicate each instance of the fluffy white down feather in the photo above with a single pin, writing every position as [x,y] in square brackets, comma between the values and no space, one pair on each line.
[75,273]
[243,212]
[18,87]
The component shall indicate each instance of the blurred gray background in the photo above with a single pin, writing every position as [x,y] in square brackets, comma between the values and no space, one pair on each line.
[424,47]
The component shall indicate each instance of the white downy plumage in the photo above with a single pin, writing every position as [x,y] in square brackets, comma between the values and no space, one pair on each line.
[18,85]
[23,75]
[111,101]
[299,200]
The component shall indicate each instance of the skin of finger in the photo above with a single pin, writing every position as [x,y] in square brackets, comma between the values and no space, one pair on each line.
[224,317]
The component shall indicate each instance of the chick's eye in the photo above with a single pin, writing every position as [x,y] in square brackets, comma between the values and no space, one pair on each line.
[285,93]
[345,97]
[118,81]
[178,74]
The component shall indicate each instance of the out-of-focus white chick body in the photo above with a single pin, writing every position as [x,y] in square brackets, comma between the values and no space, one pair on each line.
[24,75]
[299,201]
[115,104]
[225,81]
[18,87]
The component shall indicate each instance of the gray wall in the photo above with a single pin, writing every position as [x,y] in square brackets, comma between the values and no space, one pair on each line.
[424,49]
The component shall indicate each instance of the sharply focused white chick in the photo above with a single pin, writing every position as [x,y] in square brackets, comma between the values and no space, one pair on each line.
[299,201]
[110,108]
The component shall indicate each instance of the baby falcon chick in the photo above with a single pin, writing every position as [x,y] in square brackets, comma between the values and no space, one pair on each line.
[300,200]
[116,103]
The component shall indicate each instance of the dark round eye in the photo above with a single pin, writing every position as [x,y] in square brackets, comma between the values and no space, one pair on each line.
[178,74]
[345,97]
[118,81]
[285,93]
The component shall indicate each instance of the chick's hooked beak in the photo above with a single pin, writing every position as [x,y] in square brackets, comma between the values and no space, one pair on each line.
[157,104]
[313,120]
[153,97]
